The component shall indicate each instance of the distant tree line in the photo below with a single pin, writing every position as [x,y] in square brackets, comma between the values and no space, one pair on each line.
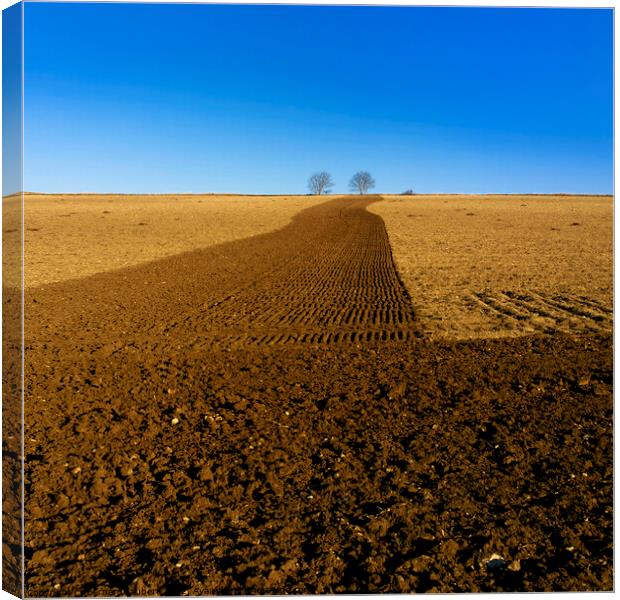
[322,182]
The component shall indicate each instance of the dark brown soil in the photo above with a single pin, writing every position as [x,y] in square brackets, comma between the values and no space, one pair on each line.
[12,546]
[263,417]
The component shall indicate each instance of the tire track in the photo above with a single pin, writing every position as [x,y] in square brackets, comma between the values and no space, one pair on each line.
[546,313]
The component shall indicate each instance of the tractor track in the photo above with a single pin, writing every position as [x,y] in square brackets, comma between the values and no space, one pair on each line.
[546,313]
[341,288]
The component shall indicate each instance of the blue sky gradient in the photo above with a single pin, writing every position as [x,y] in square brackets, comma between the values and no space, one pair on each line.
[253,99]
[12,171]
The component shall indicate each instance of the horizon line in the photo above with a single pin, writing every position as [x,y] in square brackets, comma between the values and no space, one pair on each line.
[306,194]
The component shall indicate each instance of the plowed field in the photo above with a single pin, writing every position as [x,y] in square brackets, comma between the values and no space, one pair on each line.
[265,416]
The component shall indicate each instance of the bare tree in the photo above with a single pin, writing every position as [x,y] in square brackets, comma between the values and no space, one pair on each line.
[319,183]
[361,182]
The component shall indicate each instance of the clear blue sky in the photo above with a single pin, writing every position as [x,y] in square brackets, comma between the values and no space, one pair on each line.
[253,99]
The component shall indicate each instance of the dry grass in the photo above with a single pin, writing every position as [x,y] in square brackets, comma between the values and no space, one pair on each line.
[11,241]
[476,266]
[70,236]
[494,266]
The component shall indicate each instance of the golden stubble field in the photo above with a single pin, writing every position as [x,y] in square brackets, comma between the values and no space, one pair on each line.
[75,235]
[475,266]
[496,266]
